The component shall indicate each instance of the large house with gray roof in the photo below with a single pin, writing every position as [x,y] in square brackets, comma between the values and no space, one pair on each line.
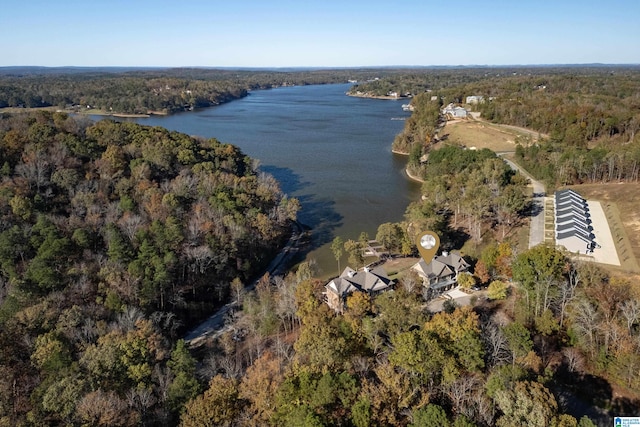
[372,281]
[441,274]
[573,229]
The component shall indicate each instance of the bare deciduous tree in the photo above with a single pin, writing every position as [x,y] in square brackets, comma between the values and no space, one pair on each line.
[573,359]
[631,311]
[495,344]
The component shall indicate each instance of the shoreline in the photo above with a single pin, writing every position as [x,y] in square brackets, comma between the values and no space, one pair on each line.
[98,112]
[121,115]
[406,169]
[384,97]
[412,177]
[150,113]
[91,112]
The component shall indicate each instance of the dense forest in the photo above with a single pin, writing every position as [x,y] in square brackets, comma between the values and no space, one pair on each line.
[531,355]
[113,238]
[152,90]
[420,130]
[473,189]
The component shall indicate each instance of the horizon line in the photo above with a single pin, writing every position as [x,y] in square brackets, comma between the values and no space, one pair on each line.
[288,67]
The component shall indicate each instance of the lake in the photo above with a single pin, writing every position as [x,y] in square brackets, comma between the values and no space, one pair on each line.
[329,150]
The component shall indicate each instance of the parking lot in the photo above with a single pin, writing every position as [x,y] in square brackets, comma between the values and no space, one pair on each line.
[606,252]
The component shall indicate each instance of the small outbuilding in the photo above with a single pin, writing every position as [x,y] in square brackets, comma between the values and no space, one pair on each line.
[475,99]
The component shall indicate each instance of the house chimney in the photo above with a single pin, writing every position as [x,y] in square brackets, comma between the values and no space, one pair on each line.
[366,269]
[445,253]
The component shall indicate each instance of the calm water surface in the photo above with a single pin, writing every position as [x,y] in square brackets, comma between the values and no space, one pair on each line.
[331,151]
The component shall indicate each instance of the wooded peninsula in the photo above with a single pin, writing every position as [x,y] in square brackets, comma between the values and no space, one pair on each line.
[117,238]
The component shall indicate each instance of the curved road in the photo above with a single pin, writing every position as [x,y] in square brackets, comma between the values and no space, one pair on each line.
[214,326]
[536,228]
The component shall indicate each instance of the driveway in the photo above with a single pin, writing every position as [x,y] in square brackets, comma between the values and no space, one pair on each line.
[536,227]
[461,298]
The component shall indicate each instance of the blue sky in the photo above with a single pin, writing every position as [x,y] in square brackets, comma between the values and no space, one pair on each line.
[284,33]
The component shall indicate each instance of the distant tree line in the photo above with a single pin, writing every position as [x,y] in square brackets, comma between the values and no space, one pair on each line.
[411,82]
[590,124]
[144,91]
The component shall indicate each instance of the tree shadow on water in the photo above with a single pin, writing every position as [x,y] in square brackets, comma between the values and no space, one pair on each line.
[319,215]
[289,180]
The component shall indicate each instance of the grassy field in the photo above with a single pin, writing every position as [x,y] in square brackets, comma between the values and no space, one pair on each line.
[481,134]
[397,266]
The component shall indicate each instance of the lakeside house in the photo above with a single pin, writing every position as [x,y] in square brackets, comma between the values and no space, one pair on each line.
[573,228]
[372,281]
[454,112]
[441,274]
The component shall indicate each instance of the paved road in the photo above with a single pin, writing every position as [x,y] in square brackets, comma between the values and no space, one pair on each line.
[214,326]
[536,227]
